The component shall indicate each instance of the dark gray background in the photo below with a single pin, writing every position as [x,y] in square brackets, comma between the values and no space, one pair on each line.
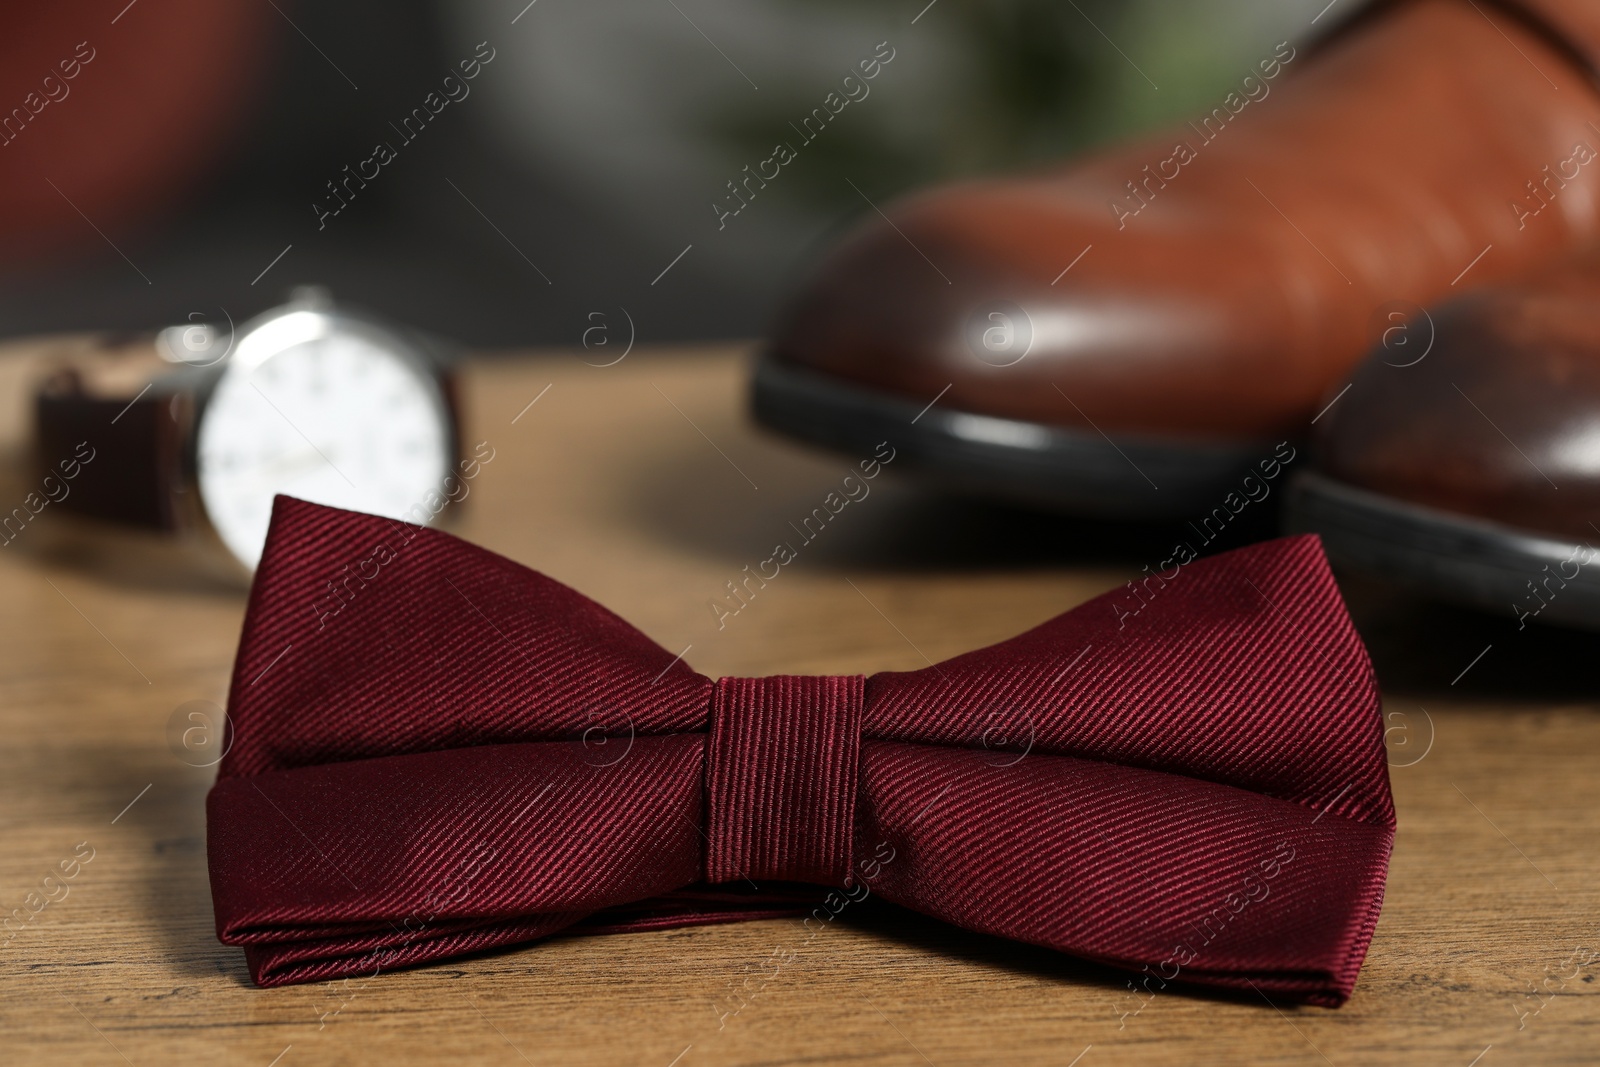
[598,137]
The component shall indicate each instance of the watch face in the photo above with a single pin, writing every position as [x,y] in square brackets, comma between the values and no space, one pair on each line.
[324,410]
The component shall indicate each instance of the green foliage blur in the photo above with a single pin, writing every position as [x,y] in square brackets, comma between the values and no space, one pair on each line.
[1031,83]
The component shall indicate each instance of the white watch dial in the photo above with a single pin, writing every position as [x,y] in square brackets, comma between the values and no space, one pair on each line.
[335,419]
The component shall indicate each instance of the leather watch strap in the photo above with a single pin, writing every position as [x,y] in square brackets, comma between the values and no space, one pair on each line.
[136,477]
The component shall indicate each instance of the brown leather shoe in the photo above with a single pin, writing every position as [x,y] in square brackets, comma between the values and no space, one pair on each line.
[1466,462]
[1127,336]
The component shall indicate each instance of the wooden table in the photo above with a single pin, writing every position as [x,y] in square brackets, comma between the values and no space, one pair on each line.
[645,486]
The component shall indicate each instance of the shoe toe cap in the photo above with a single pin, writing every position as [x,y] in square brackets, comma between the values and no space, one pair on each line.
[1020,294]
[1499,418]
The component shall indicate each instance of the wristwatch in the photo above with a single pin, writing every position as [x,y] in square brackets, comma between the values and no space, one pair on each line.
[193,433]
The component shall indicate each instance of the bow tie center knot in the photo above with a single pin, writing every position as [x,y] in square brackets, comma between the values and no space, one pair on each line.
[781,778]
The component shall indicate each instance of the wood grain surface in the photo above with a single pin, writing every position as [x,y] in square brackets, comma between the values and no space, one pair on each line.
[644,486]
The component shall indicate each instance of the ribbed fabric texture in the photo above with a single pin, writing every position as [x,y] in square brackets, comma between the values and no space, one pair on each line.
[781,778]
[1197,793]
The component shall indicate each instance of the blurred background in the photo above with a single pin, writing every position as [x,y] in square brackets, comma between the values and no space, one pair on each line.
[194,161]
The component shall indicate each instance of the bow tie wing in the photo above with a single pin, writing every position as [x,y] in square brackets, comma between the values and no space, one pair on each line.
[431,744]
[1242,668]
[361,866]
[368,637]
[1199,790]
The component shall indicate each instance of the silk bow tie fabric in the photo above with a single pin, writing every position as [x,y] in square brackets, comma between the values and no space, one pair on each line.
[1197,792]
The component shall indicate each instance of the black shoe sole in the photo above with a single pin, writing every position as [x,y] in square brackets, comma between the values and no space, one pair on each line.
[1451,557]
[1004,459]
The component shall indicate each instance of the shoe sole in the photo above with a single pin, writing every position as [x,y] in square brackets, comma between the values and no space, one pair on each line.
[1463,560]
[1005,459]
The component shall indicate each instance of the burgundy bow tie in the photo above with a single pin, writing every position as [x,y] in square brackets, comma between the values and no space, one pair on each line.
[1197,792]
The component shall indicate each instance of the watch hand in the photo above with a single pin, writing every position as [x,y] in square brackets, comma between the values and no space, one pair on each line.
[291,467]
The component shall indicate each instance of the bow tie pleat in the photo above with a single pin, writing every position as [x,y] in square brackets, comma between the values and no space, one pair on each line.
[438,751]
[1172,876]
